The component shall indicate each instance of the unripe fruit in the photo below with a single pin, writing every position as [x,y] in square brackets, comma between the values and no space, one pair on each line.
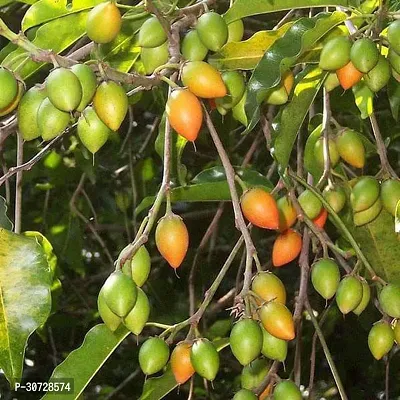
[120,293]
[181,365]
[380,339]
[9,87]
[364,54]
[245,394]
[13,105]
[348,76]
[277,96]
[260,208]
[287,213]
[212,30]
[364,193]
[193,48]
[396,331]
[253,374]
[390,195]
[389,299]
[287,390]
[151,33]
[349,294]
[269,287]
[319,152]
[277,320]
[205,359]
[111,104]
[103,23]
[394,60]
[368,215]
[154,57]
[365,298]
[184,113]
[336,197]
[351,148]
[246,341]
[287,247]
[335,54]
[234,82]
[310,204]
[109,318]
[331,82]
[51,121]
[325,277]
[139,315]
[321,219]
[379,76]
[272,347]
[140,266]
[393,36]
[88,81]
[92,132]
[153,355]
[238,112]
[172,239]
[235,31]
[203,80]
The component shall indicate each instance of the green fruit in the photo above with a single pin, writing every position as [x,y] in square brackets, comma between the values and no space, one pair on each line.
[246,340]
[396,331]
[331,82]
[64,89]
[139,315]
[335,54]
[287,390]
[212,30]
[245,394]
[120,293]
[380,339]
[9,87]
[365,298]
[238,112]
[277,96]
[336,197]
[27,112]
[389,299]
[205,359]
[140,266]
[193,48]
[310,204]
[393,36]
[364,194]
[51,121]
[254,374]
[235,31]
[368,215]
[319,152]
[351,148]
[325,277]
[394,60]
[109,318]
[390,195]
[111,104]
[154,57]
[88,81]
[364,54]
[349,294]
[235,84]
[92,132]
[273,347]
[379,76]
[153,355]
[123,201]
[152,34]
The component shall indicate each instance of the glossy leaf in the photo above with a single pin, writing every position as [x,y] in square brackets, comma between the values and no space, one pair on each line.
[364,98]
[394,97]
[4,220]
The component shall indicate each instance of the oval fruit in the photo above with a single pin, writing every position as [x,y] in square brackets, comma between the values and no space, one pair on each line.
[246,341]
[364,193]
[348,76]
[277,96]
[288,81]
[154,57]
[335,54]
[310,204]
[203,80]
[272,347]
[321,219]
[184,113]
[336,197]
[103,22]
[349,294]
[153,355]
[140,266]
[364,54]
[235,84]
[269,287]
[277,320]
[109,318]
[287,213]
[9,87]
[379,76]
[151,33]
[325,277]
[235,31]
[212,30]
[193,48]
[390,195]
[181,365]
[319,152]
[111,104]
[380,339]
[331,82]
[394,60]
[13,105]
[253,374]
[287,390]
[172,239]
[205,359]
[393,36]
[351,148]
[244,394]
[51,121]
[88,81]
[287,247]
[139,315]
[365,298]
[389,299]
[368,215]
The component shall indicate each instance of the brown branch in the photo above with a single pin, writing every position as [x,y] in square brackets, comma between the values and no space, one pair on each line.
[18,185]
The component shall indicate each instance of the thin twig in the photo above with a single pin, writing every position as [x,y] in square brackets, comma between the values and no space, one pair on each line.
[18,185]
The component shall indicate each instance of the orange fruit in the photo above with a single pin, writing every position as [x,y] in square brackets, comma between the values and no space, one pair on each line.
[287,213]
[277,320]
[264,395]
[269,287]
[286,248]
[349,75]
[181,365]
[288,81]
[320,220]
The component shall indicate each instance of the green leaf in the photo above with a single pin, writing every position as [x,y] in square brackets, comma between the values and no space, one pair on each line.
[4,220]
[83,363]
[25,300]
[309,158]
[364,98]
[393,89]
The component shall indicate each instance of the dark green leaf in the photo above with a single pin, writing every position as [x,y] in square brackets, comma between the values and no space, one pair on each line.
[4,220]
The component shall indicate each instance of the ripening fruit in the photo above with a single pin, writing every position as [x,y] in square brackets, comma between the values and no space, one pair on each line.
[394,60]
[103,22]
[13,105]
[193,48]
[203,80]
[265,394]
[351,148]
[396,331]
[366,296]
[260,208]
[51,121]
[348,76]
[321,219]
[364,217]
[272,347]
[310,204]
[364,193]
[246,341]
[287,213]
[244,394]
[205,359]
[349,294]
[9,87]
[287,247]
[288,81]
[336,197]
[379,76]
[287,390]
[212,30]
[151,33]
[325,277]
[88,81]
[380,339]
[331,82]
[139,315]
[235,84]
[120,293]
[335,54]
[390,195]
[364,54]
[319,152]
[277,320]
[184,113]
[277,96]
[153,355]
[154,57]
[92,132]
[172,239]
[393,36]
[181,365]
[269,287]
[109,318]
[111,104]
[140,266]
[253,374]
[389,299]
[235,31]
